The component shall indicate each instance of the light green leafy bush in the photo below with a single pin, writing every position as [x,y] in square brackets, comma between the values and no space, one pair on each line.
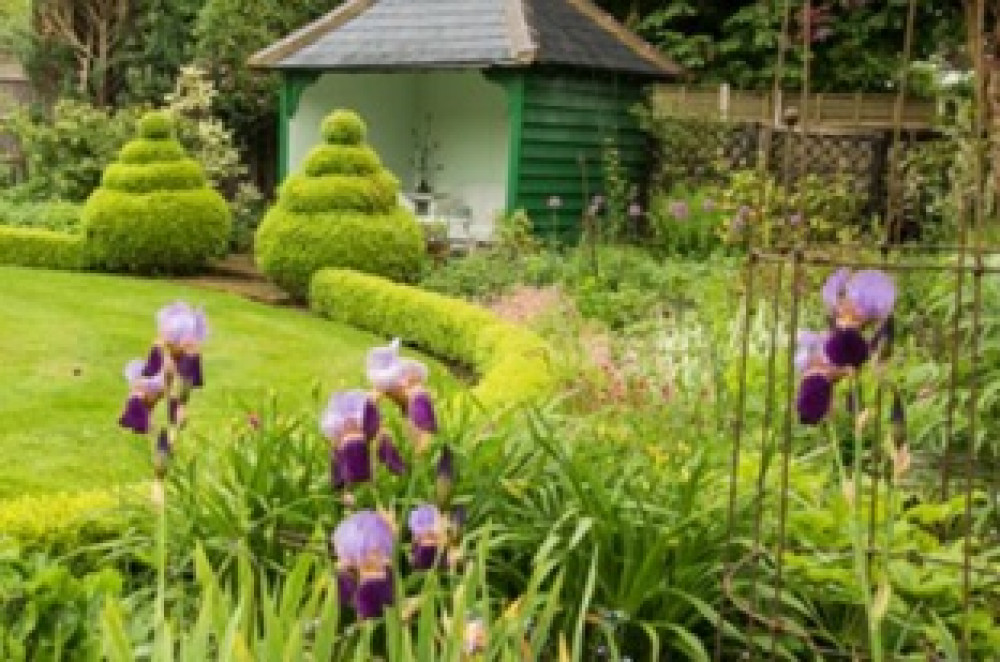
[341,211]
[156,216]
[67,152]
[59,520]
[512,362]
[26,247]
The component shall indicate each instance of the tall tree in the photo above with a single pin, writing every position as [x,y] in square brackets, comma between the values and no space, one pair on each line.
[158,45]
[226,36]
[89,33]
[855,44]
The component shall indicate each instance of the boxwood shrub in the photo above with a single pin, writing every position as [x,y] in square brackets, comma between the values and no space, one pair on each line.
[48,249]
[511,362]
[342,210]
[61,520]
[154,211]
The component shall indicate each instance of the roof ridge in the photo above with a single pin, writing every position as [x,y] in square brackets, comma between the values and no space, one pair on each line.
[524,46]
[310,33]
[630,40]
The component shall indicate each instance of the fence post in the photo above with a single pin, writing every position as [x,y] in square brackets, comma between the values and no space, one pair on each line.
[724,102]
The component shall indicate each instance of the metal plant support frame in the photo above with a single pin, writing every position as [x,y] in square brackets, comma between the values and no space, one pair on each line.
[783,280]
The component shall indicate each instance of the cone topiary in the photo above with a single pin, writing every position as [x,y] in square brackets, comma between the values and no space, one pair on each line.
[154,211]
[341,210]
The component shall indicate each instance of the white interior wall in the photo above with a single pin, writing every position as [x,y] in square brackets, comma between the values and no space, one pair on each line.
[383,101]
[467,119]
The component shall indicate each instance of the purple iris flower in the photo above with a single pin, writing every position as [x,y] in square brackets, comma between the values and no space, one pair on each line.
[351,422]
[815,394]
[383,367]
[182,330]
[144,393]
[795,219]
[363,544]
[679,210]
[403,380]
[429,530]
[856,300]
[708,205]
[635,210]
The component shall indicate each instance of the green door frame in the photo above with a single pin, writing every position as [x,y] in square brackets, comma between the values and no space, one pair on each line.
[294,83]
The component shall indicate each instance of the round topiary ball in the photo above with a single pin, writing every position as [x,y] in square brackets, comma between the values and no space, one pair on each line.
[157,125]
[154,212]
[343,127]
[341,210]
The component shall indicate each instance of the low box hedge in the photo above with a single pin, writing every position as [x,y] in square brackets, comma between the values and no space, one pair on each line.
[60,520]
[511,362]
[47,249]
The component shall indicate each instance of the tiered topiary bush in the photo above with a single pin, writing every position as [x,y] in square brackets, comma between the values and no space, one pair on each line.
[154,211]
[342,210]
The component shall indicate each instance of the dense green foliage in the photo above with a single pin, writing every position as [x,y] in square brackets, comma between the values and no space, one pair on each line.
[155,217]
[855,45]
[512,363]
[67,153]
[226,36]
[341,211]
[50,249]
[156,48]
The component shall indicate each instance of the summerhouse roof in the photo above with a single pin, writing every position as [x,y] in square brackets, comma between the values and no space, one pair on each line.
[415,34]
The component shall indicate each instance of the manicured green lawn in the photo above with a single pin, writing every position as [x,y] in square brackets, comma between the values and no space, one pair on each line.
[64,339]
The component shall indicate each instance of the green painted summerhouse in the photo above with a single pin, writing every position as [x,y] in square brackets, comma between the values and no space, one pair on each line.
[478,106]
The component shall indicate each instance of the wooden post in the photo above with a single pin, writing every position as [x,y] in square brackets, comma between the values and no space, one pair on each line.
[724,102]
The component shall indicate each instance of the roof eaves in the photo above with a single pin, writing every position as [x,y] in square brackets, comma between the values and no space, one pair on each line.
[271,56]
[626,37]
[524,48]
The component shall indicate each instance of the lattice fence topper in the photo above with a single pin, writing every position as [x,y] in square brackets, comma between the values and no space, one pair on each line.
[864,495]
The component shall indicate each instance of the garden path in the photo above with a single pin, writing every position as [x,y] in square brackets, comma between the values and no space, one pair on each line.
[237,274]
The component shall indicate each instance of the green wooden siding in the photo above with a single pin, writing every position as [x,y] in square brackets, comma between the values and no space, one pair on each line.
[565,123]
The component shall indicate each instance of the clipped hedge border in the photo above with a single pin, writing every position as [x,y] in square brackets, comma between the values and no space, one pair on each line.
[512,363]
[46,520]
[29,247]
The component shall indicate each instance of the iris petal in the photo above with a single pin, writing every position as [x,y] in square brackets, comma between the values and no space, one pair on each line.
[814,398]
[373,596]
[353,462]
[871,293]
[154,362]
[347,586]
[426,557]
[370,419]
[189,368]
[846,347]
[136,415]
[421,412]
